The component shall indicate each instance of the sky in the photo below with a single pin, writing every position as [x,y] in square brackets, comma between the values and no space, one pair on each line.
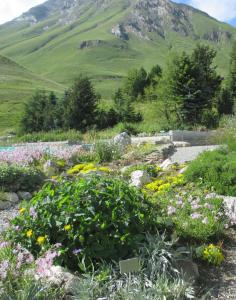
[223,10]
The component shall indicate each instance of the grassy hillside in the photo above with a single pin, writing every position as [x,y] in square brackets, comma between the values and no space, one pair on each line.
[17,85]
[63,43]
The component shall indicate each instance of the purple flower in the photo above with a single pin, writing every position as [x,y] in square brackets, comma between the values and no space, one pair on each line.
[4,267]
[4,244]
[171,210]
[32,212]
[77,251]
[196,215]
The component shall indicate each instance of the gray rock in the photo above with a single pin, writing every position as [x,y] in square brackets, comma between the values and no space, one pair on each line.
[166,164]
[8,200]
[122,140]
[63,279]
[183,170]
[189,269]
[139,178]
[24,195]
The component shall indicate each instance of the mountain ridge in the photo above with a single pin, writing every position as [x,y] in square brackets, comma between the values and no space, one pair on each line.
[103,39]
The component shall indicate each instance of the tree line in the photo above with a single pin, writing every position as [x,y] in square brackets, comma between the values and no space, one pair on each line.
[188,93]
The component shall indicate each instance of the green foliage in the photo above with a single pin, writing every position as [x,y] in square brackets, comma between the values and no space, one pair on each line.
[14,178]
[225,102]
[124,108]
[107,151]
[50,136]
[40,113]
[215,169]
[189,87]
[232,73]
[191,215]
[135,83]
[80,105]
[100,217]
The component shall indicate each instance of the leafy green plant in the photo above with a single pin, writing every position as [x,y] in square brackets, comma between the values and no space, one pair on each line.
[215,169]
[14,178]
[107,152]
[96,217]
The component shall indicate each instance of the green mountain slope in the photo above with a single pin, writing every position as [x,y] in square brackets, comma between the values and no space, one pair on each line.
[105,38]
[17,84]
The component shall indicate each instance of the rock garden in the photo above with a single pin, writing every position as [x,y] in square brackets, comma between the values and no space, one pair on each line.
[71,216]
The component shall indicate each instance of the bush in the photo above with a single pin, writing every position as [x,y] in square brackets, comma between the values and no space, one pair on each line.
[215,169]
[95,217]
[14,178]
[107,152]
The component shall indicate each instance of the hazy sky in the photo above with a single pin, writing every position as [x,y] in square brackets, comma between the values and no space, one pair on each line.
[10,9]
[224,10]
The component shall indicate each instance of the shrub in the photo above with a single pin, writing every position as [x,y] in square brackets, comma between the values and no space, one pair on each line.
[215,169]
[191,214]
[14,178]
[107,152]
[95,217]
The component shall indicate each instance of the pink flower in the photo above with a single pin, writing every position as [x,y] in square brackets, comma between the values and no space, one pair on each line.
[4,267]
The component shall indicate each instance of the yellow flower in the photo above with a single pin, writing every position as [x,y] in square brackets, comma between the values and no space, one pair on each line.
[104,169]
[67,227]
[29,233]
[41,240]
[22,210]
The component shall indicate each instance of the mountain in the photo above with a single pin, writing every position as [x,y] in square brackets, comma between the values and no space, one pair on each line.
[60,39]
[17,84]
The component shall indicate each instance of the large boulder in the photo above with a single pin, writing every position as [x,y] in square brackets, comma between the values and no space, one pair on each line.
[122,140]
[139,178]
[61,278]
[24,195]
[8,200]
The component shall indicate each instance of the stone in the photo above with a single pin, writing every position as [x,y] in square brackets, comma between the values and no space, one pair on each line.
[139,178]
[61,278]
[189,269]
[166,164]
[183,170]
[181,144]
[122,140]
[7,200]
[50,168]
[24,195]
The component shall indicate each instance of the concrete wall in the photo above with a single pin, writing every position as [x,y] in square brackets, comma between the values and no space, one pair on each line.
[195,138]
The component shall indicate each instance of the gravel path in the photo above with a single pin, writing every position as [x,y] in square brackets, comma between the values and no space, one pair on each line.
[6,216]
[185,154]
[225,286]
